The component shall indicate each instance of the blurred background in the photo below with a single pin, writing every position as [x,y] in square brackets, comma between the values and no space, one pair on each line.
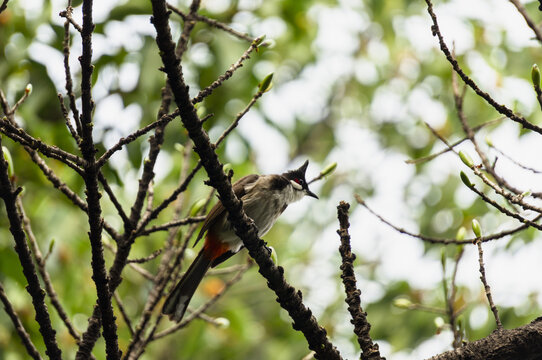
[354,83]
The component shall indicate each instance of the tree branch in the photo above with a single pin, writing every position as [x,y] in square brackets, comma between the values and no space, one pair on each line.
[9,195]
[244,227]
[25,337]
[362,327]
[500,108]
[90,177]
[523,343]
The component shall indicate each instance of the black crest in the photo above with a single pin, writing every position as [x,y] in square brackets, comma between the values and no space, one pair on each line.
[297,173]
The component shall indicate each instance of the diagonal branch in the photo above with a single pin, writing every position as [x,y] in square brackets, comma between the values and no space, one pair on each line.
[499,107]
[288,297]
[9,195]
[23,334]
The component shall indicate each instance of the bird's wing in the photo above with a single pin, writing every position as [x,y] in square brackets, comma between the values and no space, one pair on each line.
[218,210]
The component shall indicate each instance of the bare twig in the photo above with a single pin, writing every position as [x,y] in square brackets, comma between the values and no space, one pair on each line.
[487,289]
[453,145]
[19,135]
[66,117]
[228,74]
[124,313]
[443,241]
[67,71]
[138,269]
[9,194]
[362,327]
[211,22]
[194,314]
[533,170]
[165,119]
[176,223]
[450,299]
[68,15]
[145,259]
[499,107]
[40,262]
[534,27]
[21,331]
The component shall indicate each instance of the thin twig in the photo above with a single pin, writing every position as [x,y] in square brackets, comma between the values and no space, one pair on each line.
[145,259]
[534,27]
[450,300]
[113,197]
[211,22]
[194,314]
[19,135]
[138,269]
[499,107]
[68,15]
[123,313]
[533,170]
[165,119]
[176,223]
[66,117]
[487,289]
[453,145]
[444,241]
[67,71]
[9,194]
[19,327]
[228,74]
[40,262]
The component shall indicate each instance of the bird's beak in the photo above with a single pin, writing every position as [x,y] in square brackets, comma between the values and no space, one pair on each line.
[310,193]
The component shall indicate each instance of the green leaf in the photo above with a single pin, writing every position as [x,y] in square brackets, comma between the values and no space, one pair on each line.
[9,160]
[535,75]
[465,179]
[476,228]
[467,160]
[266,85]
[329,169]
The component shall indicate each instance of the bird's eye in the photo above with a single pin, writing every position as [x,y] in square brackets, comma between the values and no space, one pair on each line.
[297,184]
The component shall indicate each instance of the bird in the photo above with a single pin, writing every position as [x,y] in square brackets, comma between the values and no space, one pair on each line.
[264,198]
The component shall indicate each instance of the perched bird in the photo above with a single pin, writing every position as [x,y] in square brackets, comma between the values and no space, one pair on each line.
[264,198]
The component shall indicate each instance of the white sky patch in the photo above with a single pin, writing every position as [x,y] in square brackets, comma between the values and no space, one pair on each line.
[216,6]
[128,76]
[421,105]
[273,27]
[52,59]
[269,146]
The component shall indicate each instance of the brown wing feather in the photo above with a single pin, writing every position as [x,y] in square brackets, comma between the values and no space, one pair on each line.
[218,209]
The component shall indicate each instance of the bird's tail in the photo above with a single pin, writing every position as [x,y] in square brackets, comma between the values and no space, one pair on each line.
[177,301]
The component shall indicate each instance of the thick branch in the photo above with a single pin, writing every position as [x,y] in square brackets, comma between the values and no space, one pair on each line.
[359,317]
[245,228]
[523,343]
[88,151]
